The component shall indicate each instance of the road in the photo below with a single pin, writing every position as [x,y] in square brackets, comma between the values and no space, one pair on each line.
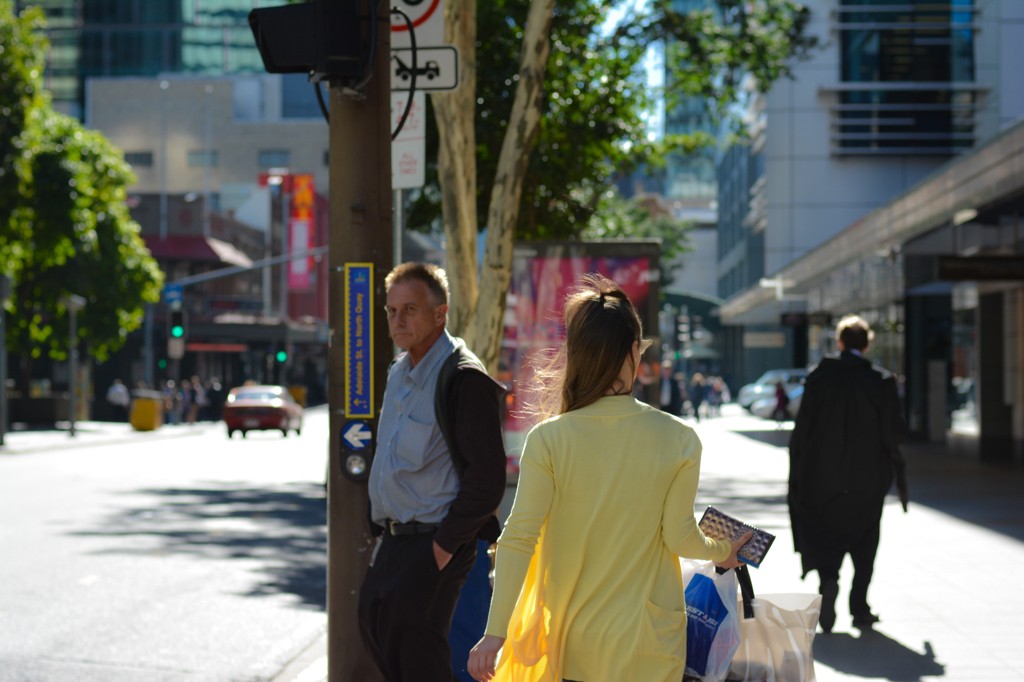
[183,559]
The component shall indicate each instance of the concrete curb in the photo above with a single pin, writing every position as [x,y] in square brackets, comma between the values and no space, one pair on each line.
[67,443]
[308,666]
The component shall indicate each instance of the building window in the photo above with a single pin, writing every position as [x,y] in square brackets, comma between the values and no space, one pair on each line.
[198,158]
[139,159]
[275,158]
[327,158]
[930,47]
[298,97]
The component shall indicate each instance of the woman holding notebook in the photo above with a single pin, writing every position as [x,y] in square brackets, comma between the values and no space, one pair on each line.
[587,581]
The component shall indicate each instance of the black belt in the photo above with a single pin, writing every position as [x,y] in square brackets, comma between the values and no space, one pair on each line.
[412,528]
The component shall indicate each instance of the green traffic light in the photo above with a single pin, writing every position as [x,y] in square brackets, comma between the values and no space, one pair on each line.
[177,331]
[162,364]
[281,356]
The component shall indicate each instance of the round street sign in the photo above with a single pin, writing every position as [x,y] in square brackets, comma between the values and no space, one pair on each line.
[418,10]
[356,435]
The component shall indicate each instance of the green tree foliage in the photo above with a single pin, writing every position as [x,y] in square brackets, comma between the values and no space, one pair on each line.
[70,232]
[22,50]
[618,218]
[593,133]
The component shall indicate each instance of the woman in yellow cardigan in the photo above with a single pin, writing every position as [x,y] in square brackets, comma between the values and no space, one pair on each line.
[587,582]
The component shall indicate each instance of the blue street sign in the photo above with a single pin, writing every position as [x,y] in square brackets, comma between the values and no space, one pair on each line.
[356,435]
[359,340]
[173,293]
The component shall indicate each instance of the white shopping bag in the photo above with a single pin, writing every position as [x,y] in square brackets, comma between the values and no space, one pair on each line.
[776,644]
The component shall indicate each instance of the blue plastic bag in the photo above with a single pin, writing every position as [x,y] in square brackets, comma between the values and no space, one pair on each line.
[712,622]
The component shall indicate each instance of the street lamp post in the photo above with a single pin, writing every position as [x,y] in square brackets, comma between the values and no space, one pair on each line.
[163,159]
[73,303]
[207,162]
[5,292]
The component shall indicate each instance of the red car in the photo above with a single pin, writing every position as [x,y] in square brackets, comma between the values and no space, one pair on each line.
[262,408]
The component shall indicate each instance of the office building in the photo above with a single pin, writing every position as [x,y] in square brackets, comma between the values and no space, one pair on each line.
[892,191]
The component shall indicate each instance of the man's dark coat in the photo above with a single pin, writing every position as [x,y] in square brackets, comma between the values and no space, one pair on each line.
[843,455]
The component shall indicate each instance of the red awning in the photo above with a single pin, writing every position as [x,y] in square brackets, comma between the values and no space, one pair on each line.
[194,247]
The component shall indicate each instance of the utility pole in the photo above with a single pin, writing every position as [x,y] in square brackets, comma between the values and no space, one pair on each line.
[347,43]
[360,232]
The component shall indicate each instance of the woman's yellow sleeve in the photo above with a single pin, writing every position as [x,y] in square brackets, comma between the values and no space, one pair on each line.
[679,528]
[518,540]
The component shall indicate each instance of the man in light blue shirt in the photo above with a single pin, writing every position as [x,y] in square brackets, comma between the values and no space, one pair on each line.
[437,478]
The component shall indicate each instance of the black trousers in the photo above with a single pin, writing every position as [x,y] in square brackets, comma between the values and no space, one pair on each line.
[862,553]
[406,607]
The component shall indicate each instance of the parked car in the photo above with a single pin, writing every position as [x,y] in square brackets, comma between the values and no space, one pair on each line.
[262,408]
[765,407]
[765,386]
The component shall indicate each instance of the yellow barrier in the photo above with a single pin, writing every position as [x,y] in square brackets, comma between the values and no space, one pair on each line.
[299,394]
[146,414]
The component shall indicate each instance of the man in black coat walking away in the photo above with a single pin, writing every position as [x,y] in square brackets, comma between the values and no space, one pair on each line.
[843,455]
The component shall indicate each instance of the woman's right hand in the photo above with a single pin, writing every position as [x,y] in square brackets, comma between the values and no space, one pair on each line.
[483,657]
[733,561]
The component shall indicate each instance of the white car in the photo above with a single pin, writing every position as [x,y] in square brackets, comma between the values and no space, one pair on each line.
[765,386]
[765,407]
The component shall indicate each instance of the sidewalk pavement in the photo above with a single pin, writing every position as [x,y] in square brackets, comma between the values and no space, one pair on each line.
[89,433]
[945,577]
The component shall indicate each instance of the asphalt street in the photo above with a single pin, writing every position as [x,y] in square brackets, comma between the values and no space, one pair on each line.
[165,559]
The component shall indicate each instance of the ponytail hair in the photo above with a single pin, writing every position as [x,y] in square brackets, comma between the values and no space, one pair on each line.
[601,326]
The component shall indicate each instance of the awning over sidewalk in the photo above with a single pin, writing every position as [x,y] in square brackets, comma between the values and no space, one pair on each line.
[978,179]
[195,247]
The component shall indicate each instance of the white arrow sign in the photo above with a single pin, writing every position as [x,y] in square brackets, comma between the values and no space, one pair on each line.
[437,68]
[356,434]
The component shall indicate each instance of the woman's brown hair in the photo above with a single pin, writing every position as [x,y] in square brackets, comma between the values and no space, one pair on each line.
[601,326]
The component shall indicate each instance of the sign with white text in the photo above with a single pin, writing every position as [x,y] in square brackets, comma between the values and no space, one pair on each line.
[409,149]
[359,340]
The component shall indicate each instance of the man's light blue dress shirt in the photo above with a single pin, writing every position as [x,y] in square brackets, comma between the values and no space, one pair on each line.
[412,478]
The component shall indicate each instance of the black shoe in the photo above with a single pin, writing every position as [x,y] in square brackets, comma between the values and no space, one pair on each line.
[829,591]
[864,621]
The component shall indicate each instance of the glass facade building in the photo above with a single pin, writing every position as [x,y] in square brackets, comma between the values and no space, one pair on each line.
[907,77]
[689,178]
[146,38]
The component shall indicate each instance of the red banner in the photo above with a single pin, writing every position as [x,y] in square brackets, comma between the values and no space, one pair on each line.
[301,230]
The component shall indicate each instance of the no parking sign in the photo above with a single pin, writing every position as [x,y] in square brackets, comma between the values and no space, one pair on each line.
[427,20]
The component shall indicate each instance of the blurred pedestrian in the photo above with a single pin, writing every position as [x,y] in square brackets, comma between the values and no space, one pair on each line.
[215,399]
[843,455]
[714,397]
[117,395]
[170,402]
[781,404]
[698,393]
[671,398]
[196,399]
[587,583]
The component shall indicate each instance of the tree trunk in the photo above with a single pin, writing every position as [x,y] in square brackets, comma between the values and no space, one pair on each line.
[456,169]
[503,210]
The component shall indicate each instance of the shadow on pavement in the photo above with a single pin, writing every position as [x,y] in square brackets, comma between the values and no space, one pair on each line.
[283,527]
[778,438]
[948,480]
[875,655]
